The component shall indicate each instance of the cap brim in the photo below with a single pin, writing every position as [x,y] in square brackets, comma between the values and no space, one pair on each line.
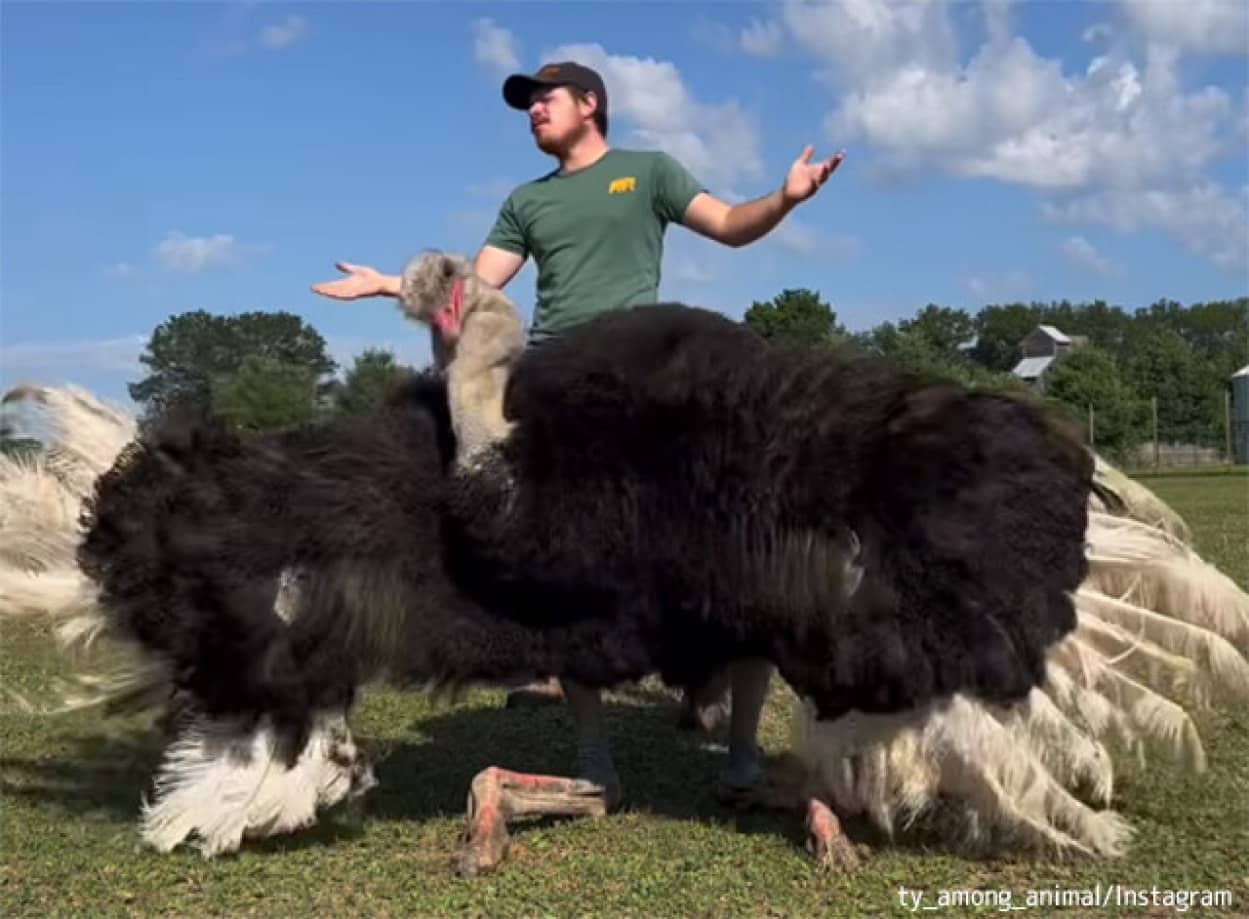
[518,89]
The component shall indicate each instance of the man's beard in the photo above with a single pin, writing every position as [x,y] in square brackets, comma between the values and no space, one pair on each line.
[556,146]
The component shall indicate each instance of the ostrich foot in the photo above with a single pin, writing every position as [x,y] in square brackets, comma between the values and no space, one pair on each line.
[497,795]
[784,788]
[825,839]
[536,695]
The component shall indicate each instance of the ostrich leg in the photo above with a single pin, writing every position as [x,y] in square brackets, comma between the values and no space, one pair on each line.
[498,795]
[742,782]
[739,777]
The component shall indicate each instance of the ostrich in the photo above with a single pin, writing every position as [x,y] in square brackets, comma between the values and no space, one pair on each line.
[888,765]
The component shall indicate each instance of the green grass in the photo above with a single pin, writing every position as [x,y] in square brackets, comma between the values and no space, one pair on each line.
[72,785]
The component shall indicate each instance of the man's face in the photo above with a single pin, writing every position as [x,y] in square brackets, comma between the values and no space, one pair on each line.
[557,119]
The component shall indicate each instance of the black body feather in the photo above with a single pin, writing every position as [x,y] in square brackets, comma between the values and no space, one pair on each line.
[676,494]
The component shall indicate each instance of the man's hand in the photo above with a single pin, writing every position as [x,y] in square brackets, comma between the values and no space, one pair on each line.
[361,281]
[805,178]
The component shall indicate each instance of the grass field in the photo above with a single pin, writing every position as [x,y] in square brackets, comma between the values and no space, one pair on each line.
[72,786]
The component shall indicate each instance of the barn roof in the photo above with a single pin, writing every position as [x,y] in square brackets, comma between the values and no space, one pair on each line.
[1032,367]
[1055,334]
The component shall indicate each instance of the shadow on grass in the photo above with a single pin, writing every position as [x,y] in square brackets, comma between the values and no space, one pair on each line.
[424,773]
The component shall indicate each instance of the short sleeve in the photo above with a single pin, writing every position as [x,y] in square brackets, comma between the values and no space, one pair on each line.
[508,233]
[675,188]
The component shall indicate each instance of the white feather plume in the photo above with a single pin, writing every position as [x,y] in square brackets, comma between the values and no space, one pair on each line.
[219,784]
[1160,634]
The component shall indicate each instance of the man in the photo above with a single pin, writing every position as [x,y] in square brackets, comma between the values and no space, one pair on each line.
[595,226]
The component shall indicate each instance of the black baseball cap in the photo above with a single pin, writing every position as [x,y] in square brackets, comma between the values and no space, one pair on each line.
[519,87]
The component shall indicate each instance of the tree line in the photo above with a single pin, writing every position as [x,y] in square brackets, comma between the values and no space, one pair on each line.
[1175,357]
[268,370]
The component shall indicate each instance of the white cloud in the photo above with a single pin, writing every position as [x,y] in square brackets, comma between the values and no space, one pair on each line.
[1084,255]
[1197,26]
[762,39]
[1125,139]
[1207,219]
[714,34]
[119,271]
[287,32]
[759,39]
[800,238]
[858,41]
[687,270]
[179,252]
[58,361]
[494,46]
[717,141]
[1009,286]
[495,189]
[1014,116]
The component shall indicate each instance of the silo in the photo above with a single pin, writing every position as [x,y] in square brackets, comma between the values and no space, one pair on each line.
[1240,416]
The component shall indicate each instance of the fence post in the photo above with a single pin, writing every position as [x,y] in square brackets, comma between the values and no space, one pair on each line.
[1227,425]
[1092,434]
[1153,400]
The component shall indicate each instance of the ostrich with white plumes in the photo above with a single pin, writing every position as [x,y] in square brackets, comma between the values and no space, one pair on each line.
[957,593]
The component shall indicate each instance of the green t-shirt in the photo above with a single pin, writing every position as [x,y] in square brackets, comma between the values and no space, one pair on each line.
[596,235]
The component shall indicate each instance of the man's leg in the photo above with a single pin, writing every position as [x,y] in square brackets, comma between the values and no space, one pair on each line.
[741,773]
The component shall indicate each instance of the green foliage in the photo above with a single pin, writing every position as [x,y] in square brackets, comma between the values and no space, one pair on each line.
[370,378]
[1089,376]
[944,330]
[795,316]
[191,355]
[71,801]
[18,447]
[931,349]
[1000,329]
[266,394]
[1190,397]
[1183,356]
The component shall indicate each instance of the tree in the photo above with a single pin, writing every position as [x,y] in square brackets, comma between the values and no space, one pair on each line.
[191,354]
[1089,376]
[266,394]
[944,329]
[370,378]
[795,316]
[919,348]
[1190,396]
[1000,329]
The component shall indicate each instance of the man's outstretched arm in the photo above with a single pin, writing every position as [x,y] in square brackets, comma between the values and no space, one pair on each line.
[741,224]
[495,266]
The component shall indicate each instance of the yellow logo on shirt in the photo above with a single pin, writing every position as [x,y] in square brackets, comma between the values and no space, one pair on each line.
[622,185]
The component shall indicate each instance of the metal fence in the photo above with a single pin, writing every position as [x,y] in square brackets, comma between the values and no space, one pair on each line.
[1161,450]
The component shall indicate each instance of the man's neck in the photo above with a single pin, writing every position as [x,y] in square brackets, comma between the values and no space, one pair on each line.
[586,152]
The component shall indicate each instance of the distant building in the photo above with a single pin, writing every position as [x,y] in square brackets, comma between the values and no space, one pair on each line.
[1240,416]
[1042,348]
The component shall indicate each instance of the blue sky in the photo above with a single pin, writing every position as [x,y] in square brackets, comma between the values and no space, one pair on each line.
[162,157]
